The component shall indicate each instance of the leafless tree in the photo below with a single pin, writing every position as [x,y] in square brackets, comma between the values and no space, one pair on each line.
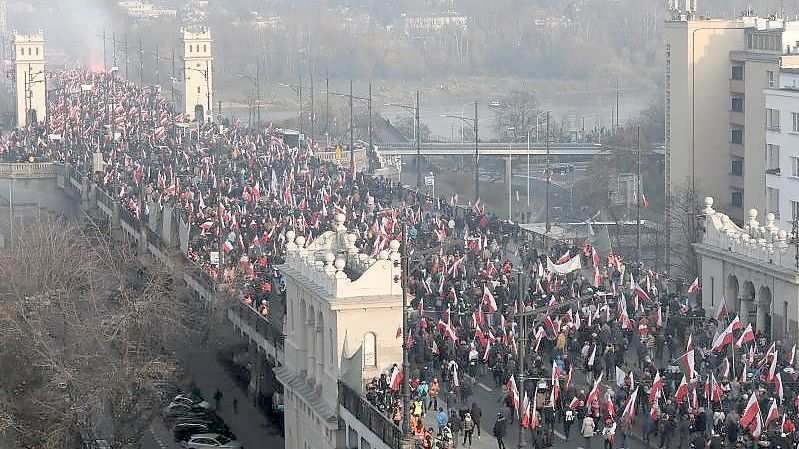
[683,221]
[88,333]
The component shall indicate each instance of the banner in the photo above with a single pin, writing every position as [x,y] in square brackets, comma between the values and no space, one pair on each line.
[572,264]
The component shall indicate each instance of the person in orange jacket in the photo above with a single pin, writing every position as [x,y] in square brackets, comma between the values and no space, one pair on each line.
[434,389]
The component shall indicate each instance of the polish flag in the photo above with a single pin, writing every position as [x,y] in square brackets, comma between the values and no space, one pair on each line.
[487,352]
[657,388]
[757,427]
[594,394]
[752,409]
[638,291]
[791,355]
[399,331]
[535,420]
[227,246]
[575,403]
[526,411]
[514,392]
[694,288]
[564,258]
[772,370]
[724,338]
[682,390]
[396,378]
[771,416]
[568,378]
[658,318]
[690,344]
[687,362]
[721,311]
[629,408]
[715,390]
[592,356]
[488,300]
[747,336]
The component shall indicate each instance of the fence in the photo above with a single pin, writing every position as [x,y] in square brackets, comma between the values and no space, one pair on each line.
[369,416]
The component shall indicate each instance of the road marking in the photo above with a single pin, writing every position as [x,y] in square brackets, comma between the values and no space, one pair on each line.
[560,435]
[483,386]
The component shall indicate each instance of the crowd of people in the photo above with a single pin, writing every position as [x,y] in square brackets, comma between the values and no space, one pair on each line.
[603,345]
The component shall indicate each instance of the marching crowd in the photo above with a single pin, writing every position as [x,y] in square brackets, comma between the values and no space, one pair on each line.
[606,350]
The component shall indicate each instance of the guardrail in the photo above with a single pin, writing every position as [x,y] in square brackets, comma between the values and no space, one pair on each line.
[28,169]
[369,416]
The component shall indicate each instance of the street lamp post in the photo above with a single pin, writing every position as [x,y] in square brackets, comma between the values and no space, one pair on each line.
[474,122]
[417,134]
[368,101]
[509,174]
[297,89]
[548,179]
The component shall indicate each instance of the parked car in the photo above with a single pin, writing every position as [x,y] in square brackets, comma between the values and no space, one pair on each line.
[183,431]
[184,428]
[211,440]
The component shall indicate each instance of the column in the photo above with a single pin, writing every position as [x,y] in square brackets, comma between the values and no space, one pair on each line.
[744,310]
[310,343]
[115,219]
[762,309]
[508,172]
[319,351]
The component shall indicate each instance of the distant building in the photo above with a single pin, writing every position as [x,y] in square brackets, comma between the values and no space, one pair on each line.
[30,78]
[343,309]
[198,74]
[146,10]
[433,23]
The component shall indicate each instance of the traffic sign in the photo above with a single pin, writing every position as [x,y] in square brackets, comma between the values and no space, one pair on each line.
[429,180]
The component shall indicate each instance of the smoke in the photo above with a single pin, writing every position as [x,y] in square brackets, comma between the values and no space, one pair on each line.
[72,28]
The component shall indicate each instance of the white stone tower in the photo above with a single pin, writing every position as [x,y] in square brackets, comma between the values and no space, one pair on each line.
[30,78]
[198,84]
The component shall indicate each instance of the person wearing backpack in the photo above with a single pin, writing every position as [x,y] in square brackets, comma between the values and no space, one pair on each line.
[568,420]
[468,428]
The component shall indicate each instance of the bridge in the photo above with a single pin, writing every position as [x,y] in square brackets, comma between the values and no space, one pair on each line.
[28,170]
[493,149]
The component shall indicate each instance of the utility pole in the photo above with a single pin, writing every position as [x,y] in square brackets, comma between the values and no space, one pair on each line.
[618,125]
[313,111]
[301,109]
[141,62]
[638,194]
[521,343]
[258,92]
[327,109]
[352,138]
[371,148]
[418,138]
[548,178]
[105,66]
[127,58]
[476,159]
[114,47]
[406,395]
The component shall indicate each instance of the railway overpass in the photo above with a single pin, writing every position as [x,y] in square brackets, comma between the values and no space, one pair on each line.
[557,150]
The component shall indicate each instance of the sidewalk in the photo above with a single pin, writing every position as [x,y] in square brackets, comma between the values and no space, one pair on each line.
[250,426]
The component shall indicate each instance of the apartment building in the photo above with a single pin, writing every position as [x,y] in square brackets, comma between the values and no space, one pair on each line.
[715,74]
[782,147]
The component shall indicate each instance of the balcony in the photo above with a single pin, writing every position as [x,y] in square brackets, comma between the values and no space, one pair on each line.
[736,149]
[737,86]
[737,118]
[369,416]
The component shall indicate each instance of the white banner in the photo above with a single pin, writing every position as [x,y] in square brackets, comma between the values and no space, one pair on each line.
[567,267]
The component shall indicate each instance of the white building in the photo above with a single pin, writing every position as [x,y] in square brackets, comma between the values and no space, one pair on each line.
[198,74]
[146,10]
[342,313]
[782,148]
[755,267]
[30,77]
[432,23]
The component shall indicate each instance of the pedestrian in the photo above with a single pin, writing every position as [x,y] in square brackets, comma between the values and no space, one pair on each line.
[235,406]
[609,433]
[499,430]
[666,430]
[568,420]
[468,428]
[477,413]
[587,430]
[442,419]
[218,399]
[456,425]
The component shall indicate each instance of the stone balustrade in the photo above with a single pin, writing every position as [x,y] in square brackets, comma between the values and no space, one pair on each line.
[29,170]
[763,242]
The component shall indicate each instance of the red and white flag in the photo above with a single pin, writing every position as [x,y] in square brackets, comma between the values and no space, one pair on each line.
[687,362]
[513,392]
[399,331]
[682,390]
[594,394]
[747,336]
[396,378]
[721,310]
[526,411]
[564,258]
[657,388]
[757,427]
[638,291]
[772,414]
[694,288]
[791,355]
[752,409]
[488,300]
[629,408]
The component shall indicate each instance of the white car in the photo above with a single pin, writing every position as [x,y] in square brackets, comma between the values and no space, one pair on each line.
[211,440]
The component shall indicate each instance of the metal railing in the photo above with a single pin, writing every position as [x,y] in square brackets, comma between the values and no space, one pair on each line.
[261,324]
[368,415]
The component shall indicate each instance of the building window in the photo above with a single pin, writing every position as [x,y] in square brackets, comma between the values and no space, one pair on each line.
[737,198]
[770,78]
[794,166]
[795,117]
[785,317]
[190,48]
[737,72]
[773,158]
[333,347]
[205,49]
[737,136]
[737,104]
[794,209]
[37,51]
[773,119]
[737,167]
[198,89]
[773,200]
[369,349]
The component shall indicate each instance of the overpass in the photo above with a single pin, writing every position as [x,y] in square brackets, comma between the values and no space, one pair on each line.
[492,149]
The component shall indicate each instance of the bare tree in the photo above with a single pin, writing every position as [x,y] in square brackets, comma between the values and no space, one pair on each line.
[683,221]
[516,114]
[88,332]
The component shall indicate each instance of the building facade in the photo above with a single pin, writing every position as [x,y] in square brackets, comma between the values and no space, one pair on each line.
[716,71]
[756,269]
[343,309]
[30,78]
[198,74]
